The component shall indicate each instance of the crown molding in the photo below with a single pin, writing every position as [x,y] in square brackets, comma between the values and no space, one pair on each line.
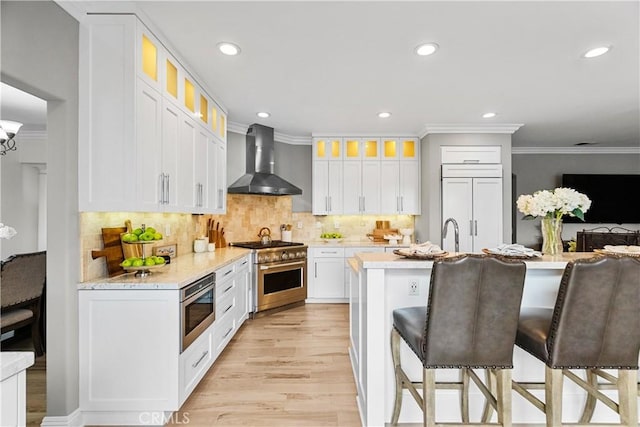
[362,135]
[241,129]
[470,128]
[575,150]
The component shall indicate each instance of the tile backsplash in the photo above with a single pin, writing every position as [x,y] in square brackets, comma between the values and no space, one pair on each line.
[246,215]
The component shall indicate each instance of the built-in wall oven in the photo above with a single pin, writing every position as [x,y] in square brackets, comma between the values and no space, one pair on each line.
[197,309]
[280,273]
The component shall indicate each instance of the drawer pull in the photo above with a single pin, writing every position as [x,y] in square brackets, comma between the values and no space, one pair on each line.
[228,332]
[204,354]
[227,290]
[228,273]
[227,309]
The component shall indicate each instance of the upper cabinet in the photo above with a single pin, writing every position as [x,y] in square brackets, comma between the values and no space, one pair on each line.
[355,175]
[145,124]
[471,154]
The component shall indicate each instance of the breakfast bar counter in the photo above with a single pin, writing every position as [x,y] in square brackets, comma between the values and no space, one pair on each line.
[382,282]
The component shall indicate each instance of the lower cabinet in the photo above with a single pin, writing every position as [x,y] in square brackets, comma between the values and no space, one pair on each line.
[131,369]
[328,278]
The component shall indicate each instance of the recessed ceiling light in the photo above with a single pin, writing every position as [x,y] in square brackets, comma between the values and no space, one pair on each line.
[228,48]
[426,49]
[384,115]
[596,51]
[263,114]
[488,115]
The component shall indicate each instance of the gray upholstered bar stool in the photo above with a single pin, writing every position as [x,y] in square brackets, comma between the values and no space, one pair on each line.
[470,322]
[595,325]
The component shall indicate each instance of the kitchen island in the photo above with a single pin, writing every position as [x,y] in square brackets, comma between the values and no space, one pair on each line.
[146,342]
[382,282]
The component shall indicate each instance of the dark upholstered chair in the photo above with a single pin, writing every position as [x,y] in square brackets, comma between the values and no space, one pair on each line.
[470,322]
[595,325]
[22,282]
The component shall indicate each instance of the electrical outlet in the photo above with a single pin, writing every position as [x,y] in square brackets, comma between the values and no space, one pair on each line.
[413,287]
[336,225]
[318,224]
[167,230]
[299,225]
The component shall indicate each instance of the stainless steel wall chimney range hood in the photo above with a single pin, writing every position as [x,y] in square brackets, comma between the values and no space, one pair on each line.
[260,178]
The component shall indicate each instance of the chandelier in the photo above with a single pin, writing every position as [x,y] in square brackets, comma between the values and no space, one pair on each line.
[8,131]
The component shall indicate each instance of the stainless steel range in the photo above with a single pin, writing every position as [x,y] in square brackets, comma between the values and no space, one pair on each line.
[279,273]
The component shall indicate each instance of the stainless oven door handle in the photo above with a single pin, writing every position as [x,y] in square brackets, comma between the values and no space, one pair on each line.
[287,264]
[197,295]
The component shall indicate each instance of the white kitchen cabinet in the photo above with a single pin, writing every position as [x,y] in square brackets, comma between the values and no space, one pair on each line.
[361,187]
[132,90]
[131,367]
[217,176]
[326,279]
[476,205]
[200,165]
[471,154]
[327,187]
[400,187]
[244,289]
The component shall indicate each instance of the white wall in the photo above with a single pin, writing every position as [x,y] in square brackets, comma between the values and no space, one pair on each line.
[544,171]
[39,55]
[20,178]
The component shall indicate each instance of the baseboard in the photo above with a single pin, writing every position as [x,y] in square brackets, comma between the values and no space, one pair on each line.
[74,419]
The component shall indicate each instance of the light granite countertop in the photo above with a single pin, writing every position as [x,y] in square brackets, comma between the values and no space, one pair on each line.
[180,272]
[14,362]
[387,260]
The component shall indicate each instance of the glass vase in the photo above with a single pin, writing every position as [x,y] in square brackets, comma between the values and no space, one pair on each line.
[551,236]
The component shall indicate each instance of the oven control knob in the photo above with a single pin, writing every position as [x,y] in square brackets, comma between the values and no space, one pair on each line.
[301,254]
[261,258]
[285,255]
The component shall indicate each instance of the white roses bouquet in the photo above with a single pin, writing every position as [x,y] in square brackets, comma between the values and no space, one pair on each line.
[554,204]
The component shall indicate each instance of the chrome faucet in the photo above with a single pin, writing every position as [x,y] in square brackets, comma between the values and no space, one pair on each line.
[456,231]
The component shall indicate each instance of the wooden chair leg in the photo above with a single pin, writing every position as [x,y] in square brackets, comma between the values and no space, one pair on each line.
[590,404]
[36,334]
[395,356]
[490,381]
[503,380]
[628,402]
[464,395]
[429,397]
[553,396]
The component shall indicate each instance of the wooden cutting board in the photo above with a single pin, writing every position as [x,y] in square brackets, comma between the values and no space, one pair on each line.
[112,249]
[379,233]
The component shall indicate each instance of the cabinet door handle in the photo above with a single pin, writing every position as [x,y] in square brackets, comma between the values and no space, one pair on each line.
[220,199]
[227,309]
[168,188]
[204,354]
[315,270]
[228,332]
[227,273]
[475,226]
[470,227]
[398,203]
[401,203]
[168,193]
[471,161]
[326,203]
[161,189]
[330,209]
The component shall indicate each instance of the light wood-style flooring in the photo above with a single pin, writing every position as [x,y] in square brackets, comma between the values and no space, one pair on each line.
[287,369]
[290,368]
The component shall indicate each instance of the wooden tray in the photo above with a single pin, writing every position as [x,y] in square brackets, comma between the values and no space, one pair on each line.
[606,252]
[423,257]
[488,252]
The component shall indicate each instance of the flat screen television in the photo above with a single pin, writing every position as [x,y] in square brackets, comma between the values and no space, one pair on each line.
[615,199]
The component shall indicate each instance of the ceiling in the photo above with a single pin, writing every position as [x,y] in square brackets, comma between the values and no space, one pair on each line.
[330,67]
